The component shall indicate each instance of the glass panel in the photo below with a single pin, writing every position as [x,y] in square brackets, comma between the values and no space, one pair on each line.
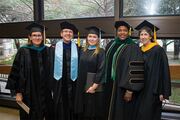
[16,10]
[172,48]
[175,97]
[151,7]
[63,9]
[8,49]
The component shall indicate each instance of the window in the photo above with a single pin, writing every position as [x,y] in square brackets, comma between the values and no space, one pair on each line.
[16,10]
[8,49]
[175,97]
[172,48]
[151,7]
[64,9]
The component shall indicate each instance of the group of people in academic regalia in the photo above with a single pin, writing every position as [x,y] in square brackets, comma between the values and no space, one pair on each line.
[68,82]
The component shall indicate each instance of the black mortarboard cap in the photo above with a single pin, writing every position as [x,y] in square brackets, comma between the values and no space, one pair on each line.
[95,30]
[67,25]
[121,23]
[145,23]
[35,27]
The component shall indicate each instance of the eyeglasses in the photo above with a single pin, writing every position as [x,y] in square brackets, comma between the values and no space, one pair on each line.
[36,36]
[67,31]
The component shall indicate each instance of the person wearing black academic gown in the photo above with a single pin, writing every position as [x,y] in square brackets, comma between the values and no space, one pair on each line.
[63,78]
[157,76]
[123,75]
[29,74]
[89,100]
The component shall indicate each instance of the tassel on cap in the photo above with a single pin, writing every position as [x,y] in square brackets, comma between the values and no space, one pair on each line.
[78,40]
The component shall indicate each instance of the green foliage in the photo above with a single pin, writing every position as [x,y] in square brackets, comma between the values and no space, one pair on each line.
[175,97]
[8,61]
[16,10]
[55,9]
[131,7]
[169,7]
[151,7]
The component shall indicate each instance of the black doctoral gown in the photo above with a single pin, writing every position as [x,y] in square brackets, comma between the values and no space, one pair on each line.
[157,82]
[30,76]
[63,89]
[108,81]
[119,109]
[86,104]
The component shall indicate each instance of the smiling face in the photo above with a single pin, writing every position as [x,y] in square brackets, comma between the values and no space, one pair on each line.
[122,32]
[67,35]
[92,39]
[36,38]
[145,37]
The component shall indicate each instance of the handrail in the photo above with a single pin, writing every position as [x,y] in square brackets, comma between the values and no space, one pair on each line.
[171,107]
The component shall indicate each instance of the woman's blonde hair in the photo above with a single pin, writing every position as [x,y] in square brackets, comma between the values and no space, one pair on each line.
[97,47]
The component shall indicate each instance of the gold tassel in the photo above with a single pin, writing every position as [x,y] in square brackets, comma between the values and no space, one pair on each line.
[44,35]
[130,31]
[155,37]
[78,40]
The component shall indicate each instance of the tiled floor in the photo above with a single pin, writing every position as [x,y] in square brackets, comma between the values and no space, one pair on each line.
[8,114]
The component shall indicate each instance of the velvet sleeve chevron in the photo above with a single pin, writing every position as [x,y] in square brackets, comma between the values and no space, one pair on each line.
[130,69]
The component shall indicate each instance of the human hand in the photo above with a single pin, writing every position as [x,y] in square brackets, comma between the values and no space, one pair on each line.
[90,90]
[128,96]
[19,97]
[161,98]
